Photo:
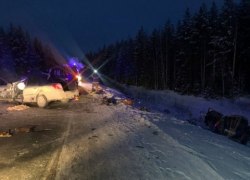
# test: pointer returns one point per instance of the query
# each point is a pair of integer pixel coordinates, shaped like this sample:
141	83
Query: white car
42	95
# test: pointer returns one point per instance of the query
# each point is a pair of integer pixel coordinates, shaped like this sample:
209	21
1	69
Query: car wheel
41	101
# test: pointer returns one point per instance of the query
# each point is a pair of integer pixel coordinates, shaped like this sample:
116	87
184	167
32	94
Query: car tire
41	101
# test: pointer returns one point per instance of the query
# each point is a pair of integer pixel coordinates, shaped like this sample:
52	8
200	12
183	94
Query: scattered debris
143	108
18	108
5	133
108	101
100	91
82	91
156	133
96	87
26	129
76	98
128	102
94	136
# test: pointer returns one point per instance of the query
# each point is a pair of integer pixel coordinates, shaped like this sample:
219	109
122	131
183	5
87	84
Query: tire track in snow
52	167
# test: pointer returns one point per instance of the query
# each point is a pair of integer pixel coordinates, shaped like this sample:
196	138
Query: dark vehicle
212	119
234	126
67	76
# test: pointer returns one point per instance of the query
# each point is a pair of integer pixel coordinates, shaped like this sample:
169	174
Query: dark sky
77	26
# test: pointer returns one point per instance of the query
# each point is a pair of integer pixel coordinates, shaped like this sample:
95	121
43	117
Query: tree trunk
223	82
214	69
166	64
235	49
204	67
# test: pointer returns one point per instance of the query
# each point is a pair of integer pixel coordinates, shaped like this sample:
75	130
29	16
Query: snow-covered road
95	141
118	142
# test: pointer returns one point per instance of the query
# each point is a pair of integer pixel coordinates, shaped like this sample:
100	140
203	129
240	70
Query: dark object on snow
234	126
211	119
143	108
100	91
109	101
193	121
155	133
166	111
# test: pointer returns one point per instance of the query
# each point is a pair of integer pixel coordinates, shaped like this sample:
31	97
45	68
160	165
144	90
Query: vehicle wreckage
234	126
42	95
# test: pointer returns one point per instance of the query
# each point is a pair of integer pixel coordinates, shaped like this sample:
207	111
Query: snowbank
186	107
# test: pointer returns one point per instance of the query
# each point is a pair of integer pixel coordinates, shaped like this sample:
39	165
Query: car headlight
21	86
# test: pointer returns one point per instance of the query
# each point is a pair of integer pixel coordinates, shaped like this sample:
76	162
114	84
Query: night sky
78	26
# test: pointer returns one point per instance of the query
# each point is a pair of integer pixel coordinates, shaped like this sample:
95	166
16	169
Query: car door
30	93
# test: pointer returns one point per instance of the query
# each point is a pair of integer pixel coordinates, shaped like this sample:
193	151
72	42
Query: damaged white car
42	95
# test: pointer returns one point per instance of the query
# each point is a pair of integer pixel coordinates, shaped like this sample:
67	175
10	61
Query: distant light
21	86
95	71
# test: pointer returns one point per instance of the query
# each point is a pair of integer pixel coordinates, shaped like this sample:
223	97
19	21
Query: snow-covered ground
186	107
90	140
212	153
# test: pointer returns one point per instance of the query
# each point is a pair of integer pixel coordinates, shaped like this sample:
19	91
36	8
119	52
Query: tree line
206	53
20	54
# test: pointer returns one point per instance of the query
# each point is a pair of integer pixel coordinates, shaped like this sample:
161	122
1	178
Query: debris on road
108	101
29	129
5	134
25	129
128	102
143	108
18	108
96	87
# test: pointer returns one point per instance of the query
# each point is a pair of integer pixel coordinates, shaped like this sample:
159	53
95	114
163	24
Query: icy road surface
88	140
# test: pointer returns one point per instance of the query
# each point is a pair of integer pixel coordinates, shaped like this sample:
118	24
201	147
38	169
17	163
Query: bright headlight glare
79	78
21	86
